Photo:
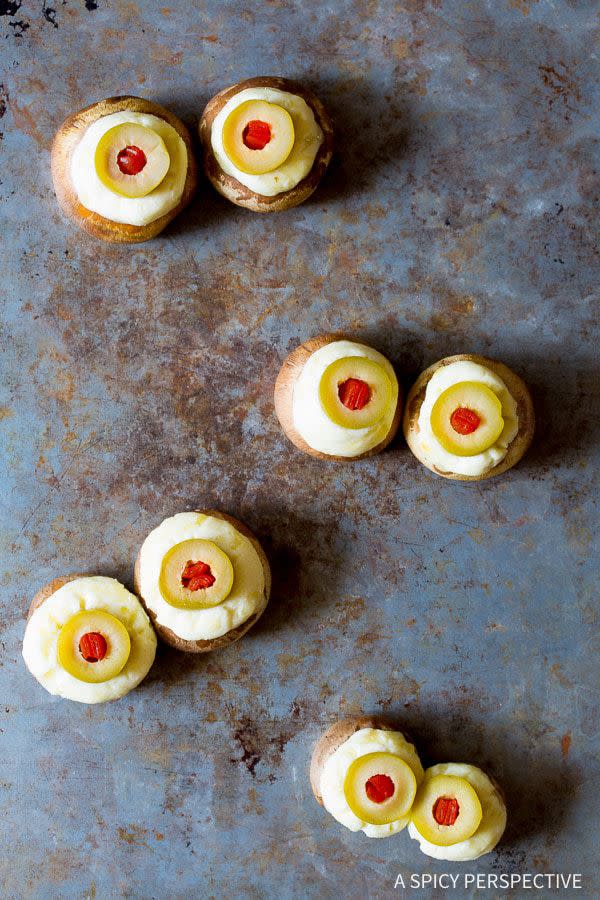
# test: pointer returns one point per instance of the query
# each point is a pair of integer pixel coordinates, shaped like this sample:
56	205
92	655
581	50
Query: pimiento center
197	576
379	788
93	646
131	160
446	810
465	421
256	135
354	393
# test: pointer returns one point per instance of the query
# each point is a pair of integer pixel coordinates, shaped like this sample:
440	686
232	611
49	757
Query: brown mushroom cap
284	398
67	138
205	646
519	392
233	189
334	737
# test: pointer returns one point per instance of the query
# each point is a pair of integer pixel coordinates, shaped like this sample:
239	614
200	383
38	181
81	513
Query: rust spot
133	835
561	85
254	807
265	739
523	6
565	744
400	48
27	122
368	639
3	100
60	864
166	55
248	738
557	672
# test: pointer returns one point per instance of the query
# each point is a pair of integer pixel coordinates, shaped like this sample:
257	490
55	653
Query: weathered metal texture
458	215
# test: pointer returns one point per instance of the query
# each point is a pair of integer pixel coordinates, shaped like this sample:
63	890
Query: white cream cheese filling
248	593
308	139
432	450
310	418
331	785
493	820
98	198
91	592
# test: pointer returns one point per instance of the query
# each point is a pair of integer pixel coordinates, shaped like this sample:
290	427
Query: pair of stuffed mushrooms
466	417
367	774
123	168
201	579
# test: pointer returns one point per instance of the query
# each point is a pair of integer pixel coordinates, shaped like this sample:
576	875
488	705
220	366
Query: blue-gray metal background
137	381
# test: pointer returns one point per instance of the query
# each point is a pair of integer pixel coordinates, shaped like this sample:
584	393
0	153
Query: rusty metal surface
458	215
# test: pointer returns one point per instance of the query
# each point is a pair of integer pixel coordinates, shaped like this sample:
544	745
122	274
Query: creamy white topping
493	820
367	740
310	418
247	595
432	450
98	198
92	592
308	139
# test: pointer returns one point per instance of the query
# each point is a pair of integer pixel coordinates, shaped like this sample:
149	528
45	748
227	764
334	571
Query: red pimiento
93	646
131	160
354	393
197	576
465	421
445	810
256	135
379	788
